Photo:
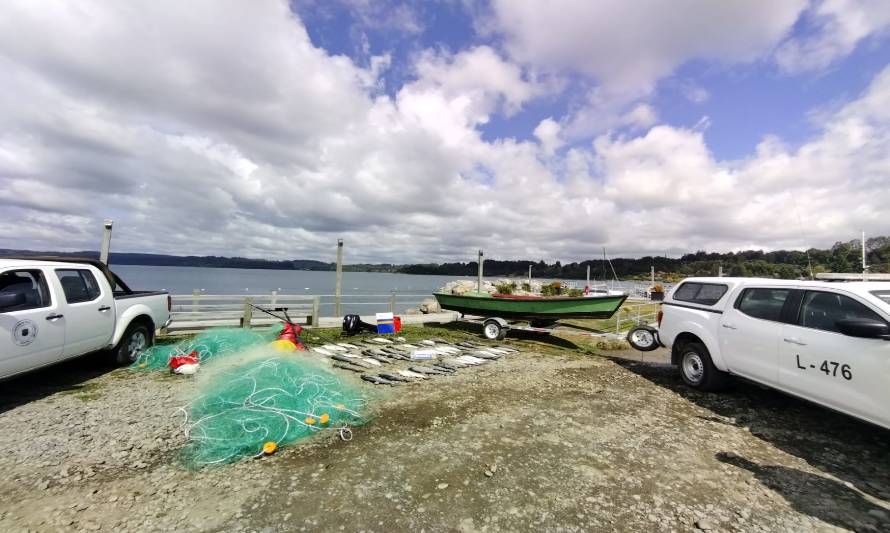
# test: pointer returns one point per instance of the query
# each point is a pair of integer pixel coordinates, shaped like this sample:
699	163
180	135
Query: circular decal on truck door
24	332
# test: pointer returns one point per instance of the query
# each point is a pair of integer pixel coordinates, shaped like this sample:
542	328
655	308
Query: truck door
750	331
32	333
817	362
89	310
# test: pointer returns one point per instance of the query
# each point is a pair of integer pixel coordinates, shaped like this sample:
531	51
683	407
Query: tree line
786	264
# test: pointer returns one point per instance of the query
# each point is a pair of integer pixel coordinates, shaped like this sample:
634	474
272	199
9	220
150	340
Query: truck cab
52	310
826	342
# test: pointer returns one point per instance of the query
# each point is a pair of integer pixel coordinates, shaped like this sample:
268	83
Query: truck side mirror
864	327
11	300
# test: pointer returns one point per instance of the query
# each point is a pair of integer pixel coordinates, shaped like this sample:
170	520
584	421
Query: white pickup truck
52	310
826	342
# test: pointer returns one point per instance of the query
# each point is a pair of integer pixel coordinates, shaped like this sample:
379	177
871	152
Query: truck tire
136	339
698	370
643	338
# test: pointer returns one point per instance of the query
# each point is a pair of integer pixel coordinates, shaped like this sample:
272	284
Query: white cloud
225	131
628	46
840	25
547	133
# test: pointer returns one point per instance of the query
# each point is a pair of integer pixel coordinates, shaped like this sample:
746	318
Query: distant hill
788	264
210	261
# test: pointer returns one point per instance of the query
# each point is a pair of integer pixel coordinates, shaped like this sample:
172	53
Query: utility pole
339	281
529	277
720	271
864	264
479	286
588	277
106	242
652	274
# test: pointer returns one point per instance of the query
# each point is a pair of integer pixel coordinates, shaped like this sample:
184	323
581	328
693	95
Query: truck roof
63	261
861	287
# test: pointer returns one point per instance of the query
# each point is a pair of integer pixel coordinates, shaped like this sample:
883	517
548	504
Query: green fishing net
247	401
249	394
210	344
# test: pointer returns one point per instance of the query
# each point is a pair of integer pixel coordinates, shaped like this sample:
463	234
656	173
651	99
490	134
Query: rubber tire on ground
642	331
492	330
121	353
698	370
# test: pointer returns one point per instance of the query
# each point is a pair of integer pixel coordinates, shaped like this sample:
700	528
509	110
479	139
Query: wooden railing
198	311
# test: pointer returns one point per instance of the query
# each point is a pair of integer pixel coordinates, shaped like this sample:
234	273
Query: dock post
106	242
392	301
720	271
195	294
316	310
247	317
339	280
588	277
274	299
529	278
479	285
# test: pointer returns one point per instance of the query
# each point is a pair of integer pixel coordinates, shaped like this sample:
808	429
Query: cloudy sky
421	131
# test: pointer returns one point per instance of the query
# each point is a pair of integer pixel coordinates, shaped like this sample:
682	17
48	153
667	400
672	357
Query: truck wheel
697	369
493	331
643	338
135	340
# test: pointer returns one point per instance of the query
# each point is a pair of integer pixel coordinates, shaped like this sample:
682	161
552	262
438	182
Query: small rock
442	486
493	468
704	524
488	473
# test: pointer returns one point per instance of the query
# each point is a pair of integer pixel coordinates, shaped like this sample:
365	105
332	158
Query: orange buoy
310	421
269	448
324	418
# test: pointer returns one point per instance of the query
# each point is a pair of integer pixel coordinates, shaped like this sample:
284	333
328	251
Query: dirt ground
558	438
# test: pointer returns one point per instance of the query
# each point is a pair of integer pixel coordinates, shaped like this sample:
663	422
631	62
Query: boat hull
530	308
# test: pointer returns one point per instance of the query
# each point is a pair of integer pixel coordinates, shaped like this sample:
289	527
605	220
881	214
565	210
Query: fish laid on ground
473	359
322	351
449	349
381	340
446	367
353	368
347	345
377	380
467	344
507	348
486	355
427	342
370	361
333	348
456	362
440	341
466	361
351	361
426	370
410	374
497	351
395	377
400	339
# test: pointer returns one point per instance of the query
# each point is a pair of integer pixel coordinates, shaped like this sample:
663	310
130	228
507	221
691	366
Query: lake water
357	287
361	290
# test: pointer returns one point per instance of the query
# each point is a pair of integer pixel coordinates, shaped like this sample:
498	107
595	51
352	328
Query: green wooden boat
531	307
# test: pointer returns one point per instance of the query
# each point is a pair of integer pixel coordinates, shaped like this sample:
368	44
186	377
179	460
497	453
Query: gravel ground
552	439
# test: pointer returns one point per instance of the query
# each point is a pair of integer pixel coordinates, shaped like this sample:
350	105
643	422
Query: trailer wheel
643	338
492	330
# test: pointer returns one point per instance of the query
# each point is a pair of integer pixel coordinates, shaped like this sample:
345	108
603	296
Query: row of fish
372	353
